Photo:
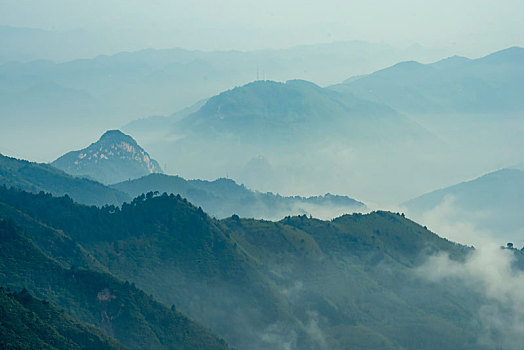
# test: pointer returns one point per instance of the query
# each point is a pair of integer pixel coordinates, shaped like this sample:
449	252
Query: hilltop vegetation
36	177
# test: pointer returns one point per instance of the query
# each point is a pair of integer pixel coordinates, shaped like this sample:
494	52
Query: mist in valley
262	175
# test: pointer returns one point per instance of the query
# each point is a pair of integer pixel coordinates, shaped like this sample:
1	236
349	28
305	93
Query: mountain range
101	250
267	134
64	95
296	283
457	106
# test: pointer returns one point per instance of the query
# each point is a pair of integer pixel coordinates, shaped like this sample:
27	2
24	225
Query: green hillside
303	282
36	177
117	308
30	323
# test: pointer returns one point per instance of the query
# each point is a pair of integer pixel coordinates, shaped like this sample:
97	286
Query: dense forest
259	284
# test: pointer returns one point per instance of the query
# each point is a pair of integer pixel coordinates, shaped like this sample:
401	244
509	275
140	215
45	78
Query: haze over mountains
117	156
284	137
223	198
492	203
253	234
443	125
412	144
491	84
107	91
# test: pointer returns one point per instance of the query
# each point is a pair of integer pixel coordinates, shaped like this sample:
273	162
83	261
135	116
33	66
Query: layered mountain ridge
224	197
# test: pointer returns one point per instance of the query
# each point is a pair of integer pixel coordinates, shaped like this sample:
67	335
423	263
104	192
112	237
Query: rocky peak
114	157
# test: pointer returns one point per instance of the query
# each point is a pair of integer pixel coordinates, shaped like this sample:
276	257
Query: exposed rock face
113	158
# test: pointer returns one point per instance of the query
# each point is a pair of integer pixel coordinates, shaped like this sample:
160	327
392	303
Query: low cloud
489	271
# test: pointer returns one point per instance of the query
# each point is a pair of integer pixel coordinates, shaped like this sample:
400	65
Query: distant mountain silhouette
224	197
113	158
492	202
305	135
489	84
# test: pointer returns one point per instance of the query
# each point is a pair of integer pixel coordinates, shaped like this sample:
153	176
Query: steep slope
172	249
298	283
224	197
492	202
29	323
119	309
113	158
36	177
455	85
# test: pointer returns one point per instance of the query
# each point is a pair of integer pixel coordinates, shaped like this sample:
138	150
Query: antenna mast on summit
258	73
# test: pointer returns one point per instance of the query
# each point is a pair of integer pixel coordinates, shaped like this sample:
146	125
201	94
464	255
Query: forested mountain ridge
298	281
36	177
119	309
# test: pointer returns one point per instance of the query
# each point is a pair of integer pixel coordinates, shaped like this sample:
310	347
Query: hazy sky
474	27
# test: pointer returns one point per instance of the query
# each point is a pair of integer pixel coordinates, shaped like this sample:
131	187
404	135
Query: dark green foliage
261	284
384	233
30	323
35	177
119	309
